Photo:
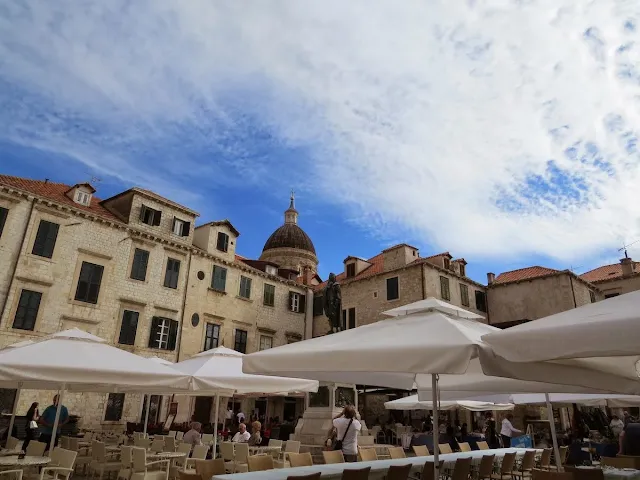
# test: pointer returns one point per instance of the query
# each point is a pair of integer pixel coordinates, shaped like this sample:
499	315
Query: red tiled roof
55	192
527	273
376	267
607	272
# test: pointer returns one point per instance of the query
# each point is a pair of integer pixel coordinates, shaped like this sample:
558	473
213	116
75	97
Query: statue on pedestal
333	303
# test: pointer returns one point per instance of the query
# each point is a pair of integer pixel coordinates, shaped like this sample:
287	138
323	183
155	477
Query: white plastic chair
126	459
140	466
61	466
207	438
100	463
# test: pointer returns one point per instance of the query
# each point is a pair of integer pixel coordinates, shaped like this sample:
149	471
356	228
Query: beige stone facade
396	277
133	270
536	292
615	279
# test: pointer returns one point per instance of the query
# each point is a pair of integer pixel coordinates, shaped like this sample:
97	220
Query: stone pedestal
321	408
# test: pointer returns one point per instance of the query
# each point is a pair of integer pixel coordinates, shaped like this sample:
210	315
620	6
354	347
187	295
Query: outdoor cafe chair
199	453
367	454
398	472
356	474
419	450
485	469
464	446
259	463
208	468
482	445
398	452
311	476
506	469
427	470
333	456
300	459
444	448
545	459
141	468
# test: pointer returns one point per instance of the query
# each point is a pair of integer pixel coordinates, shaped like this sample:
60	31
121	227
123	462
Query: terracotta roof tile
527	273
55	192
376	267
607	272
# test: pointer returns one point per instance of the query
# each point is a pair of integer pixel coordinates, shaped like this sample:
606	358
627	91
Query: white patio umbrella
74	360
610	328
413	403
588	399
161	361
410	349
219	372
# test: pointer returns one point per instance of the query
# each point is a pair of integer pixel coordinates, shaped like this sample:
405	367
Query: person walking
347	427
508	431
31	425
47	420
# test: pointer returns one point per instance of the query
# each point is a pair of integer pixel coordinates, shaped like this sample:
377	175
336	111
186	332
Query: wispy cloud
492	128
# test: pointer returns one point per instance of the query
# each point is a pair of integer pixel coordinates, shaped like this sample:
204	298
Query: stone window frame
34	287
106	407
265	337
166	266
272	295
4	216
445	281
128	308
205	337
95	258
41	213
464	295
386	283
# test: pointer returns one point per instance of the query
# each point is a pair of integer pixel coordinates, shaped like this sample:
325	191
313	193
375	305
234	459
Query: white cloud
438	118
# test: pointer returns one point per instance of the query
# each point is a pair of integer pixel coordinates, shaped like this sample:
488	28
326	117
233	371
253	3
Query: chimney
490	278
627	267
307	275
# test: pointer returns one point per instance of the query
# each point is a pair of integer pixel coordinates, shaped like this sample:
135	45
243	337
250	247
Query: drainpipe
184	304
424	282
573	292
15	266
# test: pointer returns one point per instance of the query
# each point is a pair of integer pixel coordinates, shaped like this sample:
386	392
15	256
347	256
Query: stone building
526	294
398	276
133	270
615	279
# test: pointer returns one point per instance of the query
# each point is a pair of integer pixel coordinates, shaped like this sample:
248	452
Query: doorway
289	410
202	409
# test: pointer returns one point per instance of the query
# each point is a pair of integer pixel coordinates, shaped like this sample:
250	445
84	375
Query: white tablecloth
378	467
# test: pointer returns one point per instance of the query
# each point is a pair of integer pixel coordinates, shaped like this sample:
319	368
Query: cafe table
611	473
378	467
13	461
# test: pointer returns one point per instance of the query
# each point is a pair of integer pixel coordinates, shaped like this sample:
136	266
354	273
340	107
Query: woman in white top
347	427
508	431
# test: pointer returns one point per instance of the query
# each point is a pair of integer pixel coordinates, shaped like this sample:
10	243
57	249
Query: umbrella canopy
413	403
396	352
602	329
432	305
593	400
161	361
219	370
79	361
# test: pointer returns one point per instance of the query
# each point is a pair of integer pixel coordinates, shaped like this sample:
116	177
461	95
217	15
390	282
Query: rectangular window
180	227
219	278
269	295
89	282
245	287
240	344
445	293
223	242
27	310
352	318
115	406
297	302
592	296
446	262
464	295
265	342
150	216
611	295
211	336
139	264
4	213
172	273
318	305
164	333
393	292
463	270
45	239
351	270
128	328
481	301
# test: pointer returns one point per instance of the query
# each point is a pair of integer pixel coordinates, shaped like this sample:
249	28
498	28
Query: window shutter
143	210
226	242
344	319
186	228
153	335
4	213
173	335
94	283
291	301
173	225
157	215
302	305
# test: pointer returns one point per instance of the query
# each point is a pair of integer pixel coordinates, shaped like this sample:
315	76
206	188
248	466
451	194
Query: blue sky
502	131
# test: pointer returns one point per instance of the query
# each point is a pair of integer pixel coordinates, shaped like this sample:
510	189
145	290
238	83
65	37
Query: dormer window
351	270
181	228
222	242
271	270
83	198
463	270
150	216
447	263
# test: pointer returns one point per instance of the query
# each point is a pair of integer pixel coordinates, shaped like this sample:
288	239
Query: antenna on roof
572	269
95	180
624	248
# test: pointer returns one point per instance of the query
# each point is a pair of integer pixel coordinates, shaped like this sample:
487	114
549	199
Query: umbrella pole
436	426
146	415
13	412
54	430
215	427
554	438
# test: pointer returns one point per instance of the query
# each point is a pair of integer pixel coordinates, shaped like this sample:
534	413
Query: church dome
289	235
